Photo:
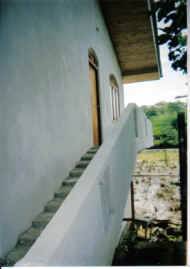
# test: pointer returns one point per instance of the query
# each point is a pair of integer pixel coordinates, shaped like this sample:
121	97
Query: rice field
156	187
155	237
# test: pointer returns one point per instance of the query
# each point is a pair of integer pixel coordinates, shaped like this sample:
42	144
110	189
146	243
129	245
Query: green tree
164	120
172	14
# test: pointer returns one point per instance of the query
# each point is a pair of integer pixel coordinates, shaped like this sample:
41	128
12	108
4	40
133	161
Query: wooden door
94	105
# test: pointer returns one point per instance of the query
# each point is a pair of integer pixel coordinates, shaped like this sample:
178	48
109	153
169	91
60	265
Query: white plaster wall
89	235
45	113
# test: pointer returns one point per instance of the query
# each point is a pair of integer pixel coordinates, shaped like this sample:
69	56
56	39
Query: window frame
115	98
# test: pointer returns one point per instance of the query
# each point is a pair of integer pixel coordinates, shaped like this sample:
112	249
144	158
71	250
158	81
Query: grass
169	155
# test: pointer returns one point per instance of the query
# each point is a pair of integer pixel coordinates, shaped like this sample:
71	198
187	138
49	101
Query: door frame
93	62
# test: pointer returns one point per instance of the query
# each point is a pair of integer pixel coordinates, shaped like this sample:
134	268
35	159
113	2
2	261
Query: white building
62	66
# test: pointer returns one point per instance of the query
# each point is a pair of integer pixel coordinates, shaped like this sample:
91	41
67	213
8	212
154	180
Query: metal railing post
183	171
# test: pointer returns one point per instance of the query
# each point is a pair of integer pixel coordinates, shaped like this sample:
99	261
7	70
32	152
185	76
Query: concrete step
93	150
29	237
42	220
53	205
76	172
87	157
82	164
63	191
95	147
16	254
70	181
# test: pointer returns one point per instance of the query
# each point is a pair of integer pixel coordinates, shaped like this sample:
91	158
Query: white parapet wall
85	230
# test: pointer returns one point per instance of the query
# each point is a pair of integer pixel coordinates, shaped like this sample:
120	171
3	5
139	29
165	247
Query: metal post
132	203
183	171
165	157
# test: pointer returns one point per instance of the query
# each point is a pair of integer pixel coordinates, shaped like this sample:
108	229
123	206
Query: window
114	98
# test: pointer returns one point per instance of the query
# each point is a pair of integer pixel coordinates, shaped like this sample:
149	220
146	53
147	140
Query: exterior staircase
26	239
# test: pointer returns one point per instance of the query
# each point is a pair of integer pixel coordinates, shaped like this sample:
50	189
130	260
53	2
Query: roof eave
134	40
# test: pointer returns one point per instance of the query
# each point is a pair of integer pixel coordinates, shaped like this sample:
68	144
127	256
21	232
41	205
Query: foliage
164	120
172	14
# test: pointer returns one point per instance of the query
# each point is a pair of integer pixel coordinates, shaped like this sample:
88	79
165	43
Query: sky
172	84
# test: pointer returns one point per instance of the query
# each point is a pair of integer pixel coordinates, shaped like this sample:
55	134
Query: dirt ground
155	237
157	193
